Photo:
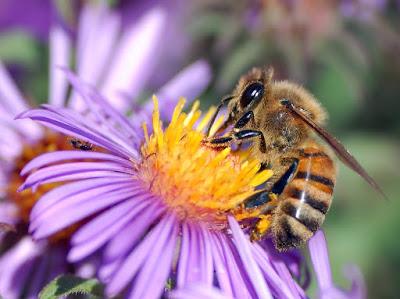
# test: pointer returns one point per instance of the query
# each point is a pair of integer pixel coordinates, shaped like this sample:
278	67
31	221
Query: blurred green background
345	52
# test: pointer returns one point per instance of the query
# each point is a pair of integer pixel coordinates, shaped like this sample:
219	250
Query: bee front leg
244	120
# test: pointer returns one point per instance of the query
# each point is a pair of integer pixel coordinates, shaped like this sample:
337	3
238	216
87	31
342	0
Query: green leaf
65	285
210	24
18	47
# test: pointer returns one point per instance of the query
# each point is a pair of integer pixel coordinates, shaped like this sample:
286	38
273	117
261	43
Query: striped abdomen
305	200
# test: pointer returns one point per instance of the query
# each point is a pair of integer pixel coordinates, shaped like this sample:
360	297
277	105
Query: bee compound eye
252	94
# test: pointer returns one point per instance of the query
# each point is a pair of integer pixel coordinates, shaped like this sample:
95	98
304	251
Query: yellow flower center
195	181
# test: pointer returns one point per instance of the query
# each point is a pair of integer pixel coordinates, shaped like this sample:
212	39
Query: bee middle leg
266	201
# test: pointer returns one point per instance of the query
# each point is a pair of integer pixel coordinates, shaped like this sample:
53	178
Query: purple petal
358	288
357	291
184	255
88	19
221	271
73	171
103	110
125	240
193	270
100	230
280	281
38	280
11	146
195	263
59	201
73	128
240	287
11	99
295	262
157	268
15	265
76	209
12	103
55	157
152	243
105	126
198	291
135	58
63	192
107	269
206	256
244	249
189	83
60	46
320	259
97	35
107	219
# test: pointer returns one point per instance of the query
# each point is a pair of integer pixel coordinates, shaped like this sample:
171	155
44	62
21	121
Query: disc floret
197	182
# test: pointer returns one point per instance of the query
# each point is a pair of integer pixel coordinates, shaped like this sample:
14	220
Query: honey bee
81	145
282	121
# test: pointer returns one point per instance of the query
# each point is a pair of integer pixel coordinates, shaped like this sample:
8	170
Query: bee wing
342	153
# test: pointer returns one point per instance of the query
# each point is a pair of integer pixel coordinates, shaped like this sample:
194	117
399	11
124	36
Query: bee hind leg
261	228
266	202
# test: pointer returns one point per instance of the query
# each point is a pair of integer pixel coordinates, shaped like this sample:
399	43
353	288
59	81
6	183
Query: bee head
250	91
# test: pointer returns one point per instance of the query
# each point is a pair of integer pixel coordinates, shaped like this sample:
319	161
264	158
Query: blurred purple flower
33	16
119	62
172	56
362	9
152	241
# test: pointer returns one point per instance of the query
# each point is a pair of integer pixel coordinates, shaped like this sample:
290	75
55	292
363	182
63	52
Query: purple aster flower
158	210
107	56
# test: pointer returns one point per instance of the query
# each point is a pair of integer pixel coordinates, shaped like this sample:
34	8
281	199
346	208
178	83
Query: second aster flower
110	57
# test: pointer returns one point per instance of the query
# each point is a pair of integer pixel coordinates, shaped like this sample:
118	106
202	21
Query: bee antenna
227	99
